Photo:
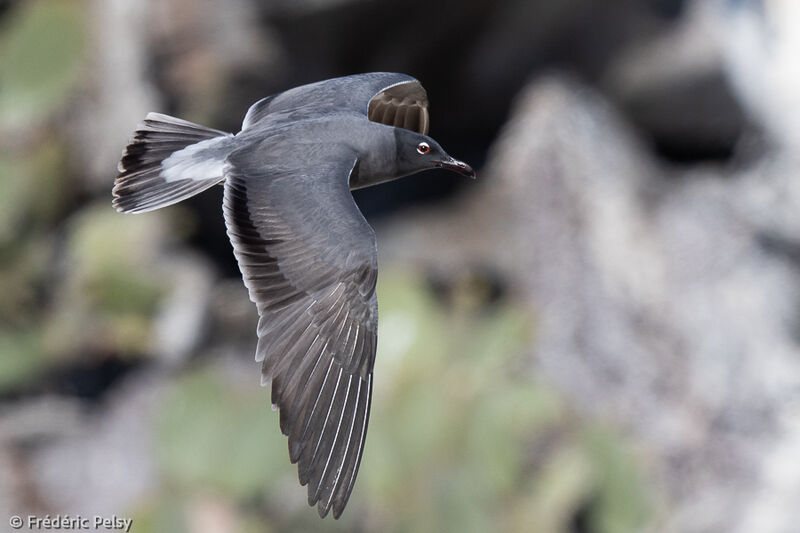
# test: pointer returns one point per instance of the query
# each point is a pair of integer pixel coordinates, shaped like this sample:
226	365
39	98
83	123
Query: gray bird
306	253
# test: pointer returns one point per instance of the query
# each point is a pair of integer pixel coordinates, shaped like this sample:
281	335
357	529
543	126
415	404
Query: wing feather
386	97
403	105
309	261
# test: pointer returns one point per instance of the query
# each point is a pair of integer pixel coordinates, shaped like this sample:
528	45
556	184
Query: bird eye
423	148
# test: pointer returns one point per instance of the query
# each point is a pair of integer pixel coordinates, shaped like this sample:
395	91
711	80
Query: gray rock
675	87
82	462
760	45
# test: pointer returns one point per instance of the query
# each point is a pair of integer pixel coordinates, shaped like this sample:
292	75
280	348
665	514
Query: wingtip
322	510
337	512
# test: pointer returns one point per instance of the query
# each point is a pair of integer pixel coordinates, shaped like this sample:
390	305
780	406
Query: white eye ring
423	148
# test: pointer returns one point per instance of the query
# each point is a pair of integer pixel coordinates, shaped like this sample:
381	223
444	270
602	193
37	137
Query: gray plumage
307	255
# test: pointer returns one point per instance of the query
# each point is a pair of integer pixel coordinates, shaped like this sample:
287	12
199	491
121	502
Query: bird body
316	139
308	257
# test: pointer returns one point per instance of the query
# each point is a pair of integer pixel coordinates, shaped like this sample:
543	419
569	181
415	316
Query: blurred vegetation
99	296
111	284
462	437
42	48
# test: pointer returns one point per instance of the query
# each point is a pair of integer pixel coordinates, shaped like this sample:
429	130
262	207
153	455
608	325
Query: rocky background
599	335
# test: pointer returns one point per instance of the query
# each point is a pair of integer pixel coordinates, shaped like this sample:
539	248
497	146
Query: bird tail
168	160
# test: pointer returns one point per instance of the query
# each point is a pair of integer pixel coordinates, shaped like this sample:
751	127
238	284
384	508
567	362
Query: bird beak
457	166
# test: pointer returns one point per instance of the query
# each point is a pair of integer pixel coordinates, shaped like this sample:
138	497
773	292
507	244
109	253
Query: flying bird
307	255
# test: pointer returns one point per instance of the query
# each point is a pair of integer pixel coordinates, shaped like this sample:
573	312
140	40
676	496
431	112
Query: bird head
417	152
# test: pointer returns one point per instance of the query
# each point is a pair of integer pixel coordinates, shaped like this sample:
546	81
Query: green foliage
42	49
621	506
32	195
112	287
20	358
162	516
112	256
221	439
105	299
41	52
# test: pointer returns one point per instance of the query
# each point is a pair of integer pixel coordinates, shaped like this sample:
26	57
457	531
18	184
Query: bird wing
385	97
309	261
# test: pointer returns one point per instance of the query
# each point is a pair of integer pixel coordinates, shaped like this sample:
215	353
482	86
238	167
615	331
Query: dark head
417	152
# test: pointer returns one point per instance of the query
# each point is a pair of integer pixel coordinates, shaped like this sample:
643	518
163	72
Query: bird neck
377	160
364	176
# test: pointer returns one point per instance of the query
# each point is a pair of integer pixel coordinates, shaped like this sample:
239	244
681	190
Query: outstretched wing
309	261
385	97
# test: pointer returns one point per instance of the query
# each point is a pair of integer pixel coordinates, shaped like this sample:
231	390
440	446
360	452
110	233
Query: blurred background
599	335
